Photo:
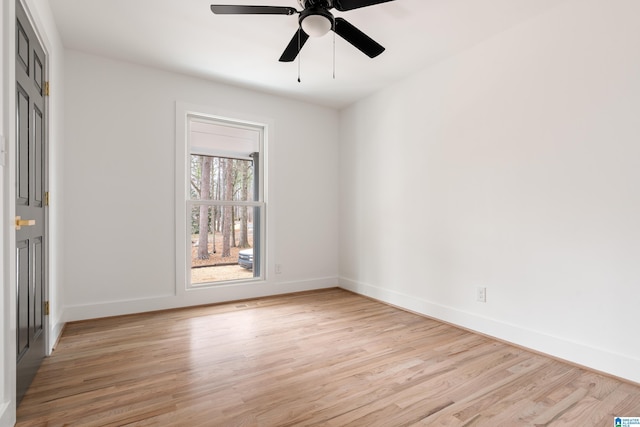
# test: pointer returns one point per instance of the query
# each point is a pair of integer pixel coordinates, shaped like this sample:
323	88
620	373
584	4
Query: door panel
22	134
38	151
22	261
37	290
38	72
22	49
31	175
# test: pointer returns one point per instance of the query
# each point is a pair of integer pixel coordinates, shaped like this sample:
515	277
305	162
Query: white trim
602	360
225	154
181	242
211	295
194	202
8	358
6	414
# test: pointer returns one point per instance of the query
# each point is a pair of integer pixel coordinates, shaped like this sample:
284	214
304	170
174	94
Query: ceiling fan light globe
316	25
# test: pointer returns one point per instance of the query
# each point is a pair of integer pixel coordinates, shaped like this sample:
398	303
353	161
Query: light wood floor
326	358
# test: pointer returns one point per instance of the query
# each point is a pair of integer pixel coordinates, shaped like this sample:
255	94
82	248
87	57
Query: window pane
222	239
221	179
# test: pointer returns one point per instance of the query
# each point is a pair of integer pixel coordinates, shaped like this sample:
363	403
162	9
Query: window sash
192	202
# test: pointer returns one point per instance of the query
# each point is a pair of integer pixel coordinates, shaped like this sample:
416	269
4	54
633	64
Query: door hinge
46	308
46	198
46	88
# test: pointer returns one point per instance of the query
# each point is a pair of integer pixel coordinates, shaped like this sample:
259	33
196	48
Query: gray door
30	204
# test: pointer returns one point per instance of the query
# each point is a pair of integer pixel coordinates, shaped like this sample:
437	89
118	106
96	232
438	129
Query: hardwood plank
325	358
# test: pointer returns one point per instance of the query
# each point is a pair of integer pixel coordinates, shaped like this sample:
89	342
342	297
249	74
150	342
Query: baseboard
56	333
7	415
216	294
600	360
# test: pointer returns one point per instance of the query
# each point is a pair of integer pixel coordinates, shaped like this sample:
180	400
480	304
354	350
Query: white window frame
184	204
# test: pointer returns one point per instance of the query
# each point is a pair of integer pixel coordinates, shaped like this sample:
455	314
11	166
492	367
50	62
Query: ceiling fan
315	20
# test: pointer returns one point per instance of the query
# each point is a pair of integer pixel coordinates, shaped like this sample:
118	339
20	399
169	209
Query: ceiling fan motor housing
316	21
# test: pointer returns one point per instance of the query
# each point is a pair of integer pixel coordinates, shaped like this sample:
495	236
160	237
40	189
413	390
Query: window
223	201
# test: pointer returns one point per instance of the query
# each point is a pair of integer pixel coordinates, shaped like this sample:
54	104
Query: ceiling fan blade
295	45
357	38
344	5
226	9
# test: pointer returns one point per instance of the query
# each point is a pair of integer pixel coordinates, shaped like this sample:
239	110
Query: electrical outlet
278	268
481	294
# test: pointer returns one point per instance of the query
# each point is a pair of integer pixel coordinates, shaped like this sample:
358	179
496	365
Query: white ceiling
243	50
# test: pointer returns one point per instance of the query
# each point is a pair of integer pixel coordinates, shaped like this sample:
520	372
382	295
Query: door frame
7	193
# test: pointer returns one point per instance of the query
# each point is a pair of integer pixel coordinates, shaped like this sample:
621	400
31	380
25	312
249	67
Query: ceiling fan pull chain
334	55
299	51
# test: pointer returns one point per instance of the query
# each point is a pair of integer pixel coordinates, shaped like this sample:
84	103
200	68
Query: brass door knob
24	222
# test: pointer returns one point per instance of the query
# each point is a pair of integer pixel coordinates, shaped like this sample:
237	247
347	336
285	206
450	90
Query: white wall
119	253
514	165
